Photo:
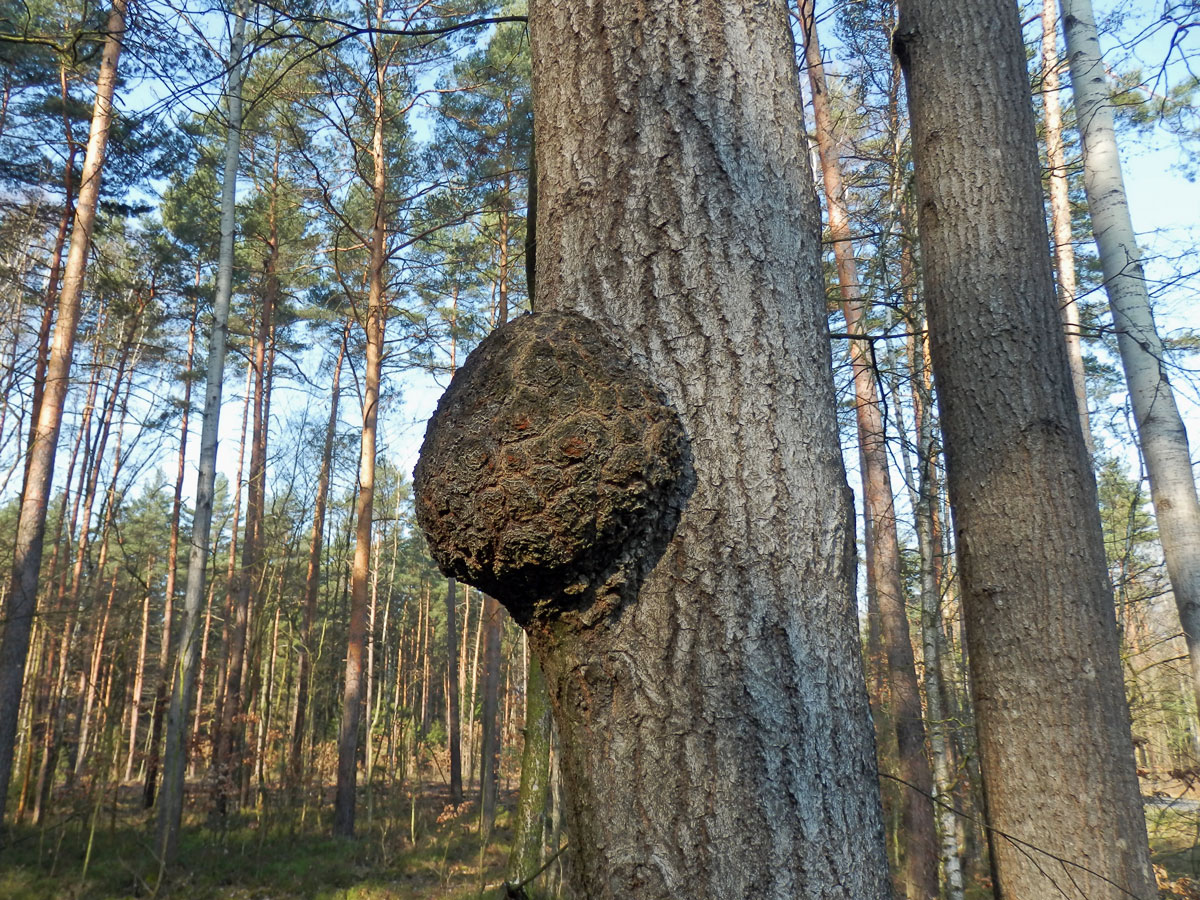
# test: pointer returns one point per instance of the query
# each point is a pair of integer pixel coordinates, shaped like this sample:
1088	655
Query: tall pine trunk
31	523
373	326
1060	215
312	579
1061	796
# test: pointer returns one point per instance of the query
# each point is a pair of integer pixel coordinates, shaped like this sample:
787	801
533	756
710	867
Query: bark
165	646
56	257
919	839
170	809
1061	794
1160	428
472	742
312	579
714	723
373	326
31	523
1060	215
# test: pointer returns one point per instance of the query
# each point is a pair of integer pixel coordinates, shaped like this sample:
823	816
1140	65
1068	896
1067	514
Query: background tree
1013	438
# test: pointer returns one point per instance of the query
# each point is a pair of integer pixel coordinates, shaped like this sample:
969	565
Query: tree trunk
165	648
248	578
526	855
1061	795
715	731
170	810
492	624
31	523
312	579
931	624
1060	216
452	691
373	326
135	699
919	839
1160	427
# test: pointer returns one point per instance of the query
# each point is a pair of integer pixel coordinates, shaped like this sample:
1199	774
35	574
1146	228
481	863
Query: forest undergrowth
416	846
413	847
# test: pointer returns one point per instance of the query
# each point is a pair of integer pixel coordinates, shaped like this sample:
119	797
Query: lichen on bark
551	468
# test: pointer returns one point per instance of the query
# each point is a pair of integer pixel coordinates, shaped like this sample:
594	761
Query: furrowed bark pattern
1051	714
716	737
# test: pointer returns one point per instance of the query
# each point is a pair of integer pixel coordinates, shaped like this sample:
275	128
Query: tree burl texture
551	459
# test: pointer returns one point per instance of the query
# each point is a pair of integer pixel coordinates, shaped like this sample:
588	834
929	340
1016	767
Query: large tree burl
550	459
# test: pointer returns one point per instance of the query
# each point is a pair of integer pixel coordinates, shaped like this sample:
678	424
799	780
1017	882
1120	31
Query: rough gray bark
1053	726
170	805
43	442
715	730
1160	428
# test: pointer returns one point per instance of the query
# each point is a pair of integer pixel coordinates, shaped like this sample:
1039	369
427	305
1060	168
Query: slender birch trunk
170	810
1160	427
248	578
931	621
31	524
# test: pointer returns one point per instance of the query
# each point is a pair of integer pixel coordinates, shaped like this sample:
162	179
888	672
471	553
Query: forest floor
405	850
408	848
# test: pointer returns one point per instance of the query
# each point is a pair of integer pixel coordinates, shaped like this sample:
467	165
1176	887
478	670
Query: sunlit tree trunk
312	579
248	578
373	326
1160	428
1061	796
1060	215
31	523
135	698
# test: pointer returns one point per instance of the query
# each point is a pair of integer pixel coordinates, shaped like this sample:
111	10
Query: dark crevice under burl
553	472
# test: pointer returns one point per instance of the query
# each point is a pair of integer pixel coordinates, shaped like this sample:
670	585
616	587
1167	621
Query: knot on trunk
551	459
